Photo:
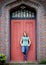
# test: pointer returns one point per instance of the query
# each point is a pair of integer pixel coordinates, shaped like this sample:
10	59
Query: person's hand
21	44
28	44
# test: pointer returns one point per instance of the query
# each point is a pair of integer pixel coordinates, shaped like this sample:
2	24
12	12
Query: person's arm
29	42
21	42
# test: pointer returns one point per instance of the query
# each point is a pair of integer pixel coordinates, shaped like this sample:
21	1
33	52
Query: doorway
23	19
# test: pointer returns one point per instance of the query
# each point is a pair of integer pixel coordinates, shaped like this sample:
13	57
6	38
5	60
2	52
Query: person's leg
26	51
23	49
25	54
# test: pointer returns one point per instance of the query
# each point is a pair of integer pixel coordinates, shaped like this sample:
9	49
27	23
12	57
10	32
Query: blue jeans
25	51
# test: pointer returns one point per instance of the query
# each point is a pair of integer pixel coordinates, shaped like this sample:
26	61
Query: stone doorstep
22	64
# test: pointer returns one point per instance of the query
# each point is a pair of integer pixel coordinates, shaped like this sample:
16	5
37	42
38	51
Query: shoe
25	61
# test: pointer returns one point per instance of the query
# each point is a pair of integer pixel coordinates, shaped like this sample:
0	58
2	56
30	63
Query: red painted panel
17	29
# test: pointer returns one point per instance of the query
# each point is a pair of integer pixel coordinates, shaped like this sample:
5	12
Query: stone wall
42	36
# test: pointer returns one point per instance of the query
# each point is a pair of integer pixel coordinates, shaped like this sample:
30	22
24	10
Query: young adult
25	43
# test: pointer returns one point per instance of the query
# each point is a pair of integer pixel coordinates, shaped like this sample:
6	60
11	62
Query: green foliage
42	61
2	58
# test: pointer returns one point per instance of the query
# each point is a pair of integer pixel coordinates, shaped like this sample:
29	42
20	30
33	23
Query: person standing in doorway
25	43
